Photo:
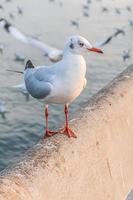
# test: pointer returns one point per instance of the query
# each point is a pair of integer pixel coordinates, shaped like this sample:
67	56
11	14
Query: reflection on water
51	21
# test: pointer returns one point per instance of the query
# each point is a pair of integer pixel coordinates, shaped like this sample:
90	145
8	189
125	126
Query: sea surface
50	20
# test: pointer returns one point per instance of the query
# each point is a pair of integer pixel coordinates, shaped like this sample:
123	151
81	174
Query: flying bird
126	54
1	7
85	14
75	22
118	11
86	7
104	42
119	31
89	1
11	15
105	9
129	8
52	53
3	110
62	82
19	10
109	38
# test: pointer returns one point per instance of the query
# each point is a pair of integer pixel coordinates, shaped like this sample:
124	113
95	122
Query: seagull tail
29	65
16	71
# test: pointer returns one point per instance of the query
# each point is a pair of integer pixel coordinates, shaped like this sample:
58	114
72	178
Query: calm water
24	125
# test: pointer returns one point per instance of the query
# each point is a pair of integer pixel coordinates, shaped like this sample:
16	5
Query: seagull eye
81	44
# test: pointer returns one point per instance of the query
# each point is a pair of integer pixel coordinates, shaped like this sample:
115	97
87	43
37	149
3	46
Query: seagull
3	110
88	1
52	53
109	38
119	31
19	10
129	8
75	22
85	14
105	9
86	7
118	11
11	15
126	54
1	7
62	82
104	42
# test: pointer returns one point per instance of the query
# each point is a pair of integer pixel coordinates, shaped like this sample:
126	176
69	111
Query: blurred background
52	21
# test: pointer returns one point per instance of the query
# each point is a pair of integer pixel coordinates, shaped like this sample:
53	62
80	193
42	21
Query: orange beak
95	50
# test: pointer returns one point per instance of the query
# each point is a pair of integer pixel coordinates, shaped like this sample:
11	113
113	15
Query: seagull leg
67	131
48	133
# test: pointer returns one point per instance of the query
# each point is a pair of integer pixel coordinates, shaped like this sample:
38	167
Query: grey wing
38	88
45	73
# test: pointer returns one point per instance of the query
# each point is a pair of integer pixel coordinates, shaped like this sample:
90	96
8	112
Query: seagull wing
53	53
18	34
104	42
39	82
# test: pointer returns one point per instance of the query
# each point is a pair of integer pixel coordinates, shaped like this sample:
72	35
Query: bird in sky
52	53
126	54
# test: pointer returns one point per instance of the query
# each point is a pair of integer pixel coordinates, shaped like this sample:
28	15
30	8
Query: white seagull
52	53
61	82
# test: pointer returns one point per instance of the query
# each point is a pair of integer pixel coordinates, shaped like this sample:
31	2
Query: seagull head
79	45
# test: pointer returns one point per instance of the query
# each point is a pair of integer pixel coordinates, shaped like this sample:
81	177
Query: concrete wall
98	165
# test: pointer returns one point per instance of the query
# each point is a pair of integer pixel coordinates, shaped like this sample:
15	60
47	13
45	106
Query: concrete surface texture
96	165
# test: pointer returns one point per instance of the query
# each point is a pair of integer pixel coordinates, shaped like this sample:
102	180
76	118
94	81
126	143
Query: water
24	125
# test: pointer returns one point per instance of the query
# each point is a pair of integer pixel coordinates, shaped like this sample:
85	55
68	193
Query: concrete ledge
96	165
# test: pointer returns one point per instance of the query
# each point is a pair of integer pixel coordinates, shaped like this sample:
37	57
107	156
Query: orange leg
67	131
48	133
